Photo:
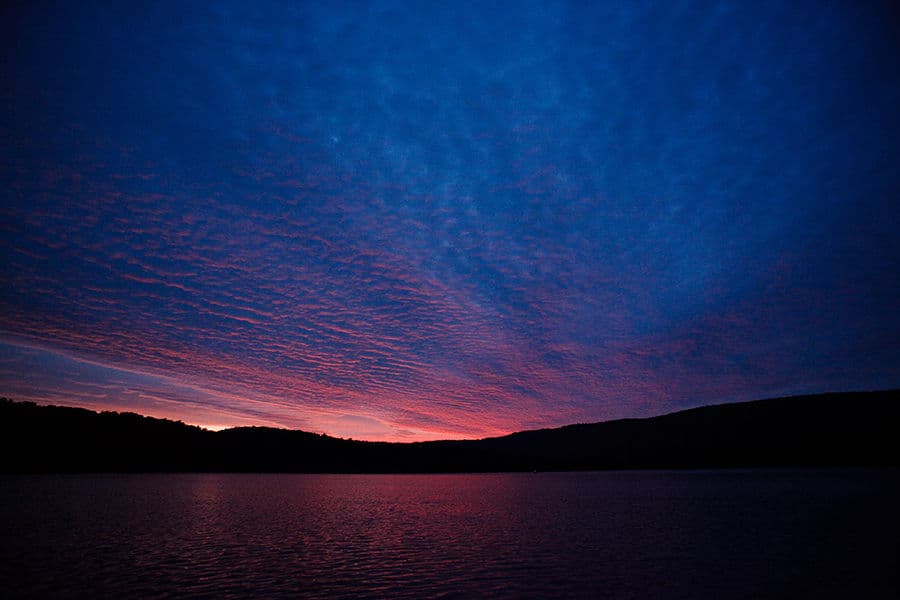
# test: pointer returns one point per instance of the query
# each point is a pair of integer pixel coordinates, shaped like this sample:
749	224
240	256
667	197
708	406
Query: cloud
452	222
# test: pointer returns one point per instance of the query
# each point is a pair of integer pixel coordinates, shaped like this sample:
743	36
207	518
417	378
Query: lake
660	534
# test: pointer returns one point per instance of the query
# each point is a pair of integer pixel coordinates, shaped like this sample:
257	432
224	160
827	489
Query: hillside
846	429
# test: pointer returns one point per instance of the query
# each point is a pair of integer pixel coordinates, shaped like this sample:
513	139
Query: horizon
216	429
423	223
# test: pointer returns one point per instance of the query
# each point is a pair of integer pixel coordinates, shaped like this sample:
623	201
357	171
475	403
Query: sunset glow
419	223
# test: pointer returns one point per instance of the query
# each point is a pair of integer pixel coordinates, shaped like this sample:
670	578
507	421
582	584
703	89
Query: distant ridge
842	429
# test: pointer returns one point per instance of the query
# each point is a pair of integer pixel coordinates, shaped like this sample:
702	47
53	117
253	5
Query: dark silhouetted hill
847	429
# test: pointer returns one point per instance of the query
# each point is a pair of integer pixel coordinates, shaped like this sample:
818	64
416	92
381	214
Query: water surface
688	534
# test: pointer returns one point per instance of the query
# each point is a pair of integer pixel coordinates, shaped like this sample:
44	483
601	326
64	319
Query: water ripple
735	534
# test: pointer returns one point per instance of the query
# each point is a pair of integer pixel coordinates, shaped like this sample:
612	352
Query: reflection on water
634	534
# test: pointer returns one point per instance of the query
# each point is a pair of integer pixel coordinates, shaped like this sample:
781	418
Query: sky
409	220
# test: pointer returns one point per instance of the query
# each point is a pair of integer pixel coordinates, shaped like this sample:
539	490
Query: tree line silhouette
843	429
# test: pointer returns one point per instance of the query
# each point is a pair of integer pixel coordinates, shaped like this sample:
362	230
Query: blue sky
416	221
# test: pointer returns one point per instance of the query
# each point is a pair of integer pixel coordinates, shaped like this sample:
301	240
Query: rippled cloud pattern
410	221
